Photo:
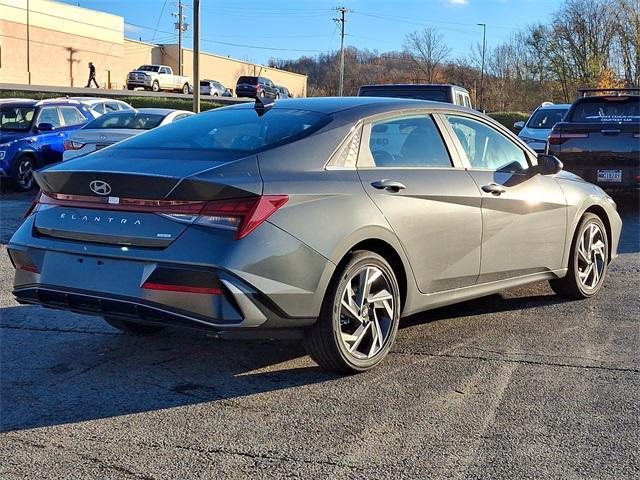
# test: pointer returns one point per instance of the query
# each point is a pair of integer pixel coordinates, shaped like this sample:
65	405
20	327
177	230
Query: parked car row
37	133
161	77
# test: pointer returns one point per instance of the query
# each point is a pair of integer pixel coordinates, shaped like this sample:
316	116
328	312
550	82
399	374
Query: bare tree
428	50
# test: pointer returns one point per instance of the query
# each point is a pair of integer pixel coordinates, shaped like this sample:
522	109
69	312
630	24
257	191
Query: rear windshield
248	80
135	121
234	130
435	95
546	118
15	118
613	109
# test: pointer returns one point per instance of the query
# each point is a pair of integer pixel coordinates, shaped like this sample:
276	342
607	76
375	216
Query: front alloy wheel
24	174
588	261
359	317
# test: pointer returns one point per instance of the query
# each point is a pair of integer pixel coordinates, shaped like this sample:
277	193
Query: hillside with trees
587	43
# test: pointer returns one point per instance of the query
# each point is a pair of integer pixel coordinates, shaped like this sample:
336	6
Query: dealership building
43	42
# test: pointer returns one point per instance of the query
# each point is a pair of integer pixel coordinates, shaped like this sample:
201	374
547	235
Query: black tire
129	87
215	94
277	96
155	87
570	286
22	173
323	340
131	327
261	94
185	88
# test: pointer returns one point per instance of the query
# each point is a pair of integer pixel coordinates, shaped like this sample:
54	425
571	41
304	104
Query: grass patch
136	102
509	118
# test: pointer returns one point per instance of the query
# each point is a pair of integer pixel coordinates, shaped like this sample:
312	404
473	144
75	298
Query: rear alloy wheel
23	174
131	327
359	318
588	261
185	88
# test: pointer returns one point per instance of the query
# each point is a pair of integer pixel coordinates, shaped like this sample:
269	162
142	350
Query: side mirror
518	125
548	164
45	127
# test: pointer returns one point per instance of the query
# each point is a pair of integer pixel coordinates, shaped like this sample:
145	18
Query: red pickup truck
599	138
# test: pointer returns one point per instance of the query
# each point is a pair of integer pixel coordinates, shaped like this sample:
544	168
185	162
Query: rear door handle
388	185
494	189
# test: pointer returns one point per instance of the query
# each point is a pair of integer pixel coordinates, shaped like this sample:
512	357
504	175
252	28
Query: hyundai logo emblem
100	188
102	137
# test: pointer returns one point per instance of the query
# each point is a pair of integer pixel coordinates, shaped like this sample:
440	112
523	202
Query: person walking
92	76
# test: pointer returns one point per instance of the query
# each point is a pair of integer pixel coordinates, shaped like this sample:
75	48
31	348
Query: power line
164	4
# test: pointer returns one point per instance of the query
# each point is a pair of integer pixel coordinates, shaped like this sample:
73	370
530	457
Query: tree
427	50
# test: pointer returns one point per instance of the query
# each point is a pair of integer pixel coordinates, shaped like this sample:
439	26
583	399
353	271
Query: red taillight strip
181	288
29	268
126	204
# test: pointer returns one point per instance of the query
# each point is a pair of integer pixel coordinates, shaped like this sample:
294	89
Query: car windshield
546	118
16	118
234	130
148	68
248	80
613	109
133	120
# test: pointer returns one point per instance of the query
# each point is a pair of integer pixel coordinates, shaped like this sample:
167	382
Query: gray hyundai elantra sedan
331	218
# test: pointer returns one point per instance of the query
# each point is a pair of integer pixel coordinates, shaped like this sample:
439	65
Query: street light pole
196	56
484	48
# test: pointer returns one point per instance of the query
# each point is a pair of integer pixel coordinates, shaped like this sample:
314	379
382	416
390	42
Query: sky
293	28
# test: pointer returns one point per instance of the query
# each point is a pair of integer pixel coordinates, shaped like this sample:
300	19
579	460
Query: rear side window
435	95
408	142
546	118
136	121
72	116
612	109
233	129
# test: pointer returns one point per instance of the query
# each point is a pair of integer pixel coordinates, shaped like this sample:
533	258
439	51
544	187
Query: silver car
115	127
327	218
535	131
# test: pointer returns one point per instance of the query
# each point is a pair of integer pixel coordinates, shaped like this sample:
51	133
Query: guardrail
100	92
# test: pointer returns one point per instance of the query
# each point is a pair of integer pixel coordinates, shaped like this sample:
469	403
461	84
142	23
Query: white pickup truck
156	78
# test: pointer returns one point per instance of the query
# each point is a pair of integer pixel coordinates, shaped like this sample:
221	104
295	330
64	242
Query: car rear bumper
204	279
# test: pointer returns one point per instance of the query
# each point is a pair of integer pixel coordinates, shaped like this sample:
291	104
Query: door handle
388	185
494	189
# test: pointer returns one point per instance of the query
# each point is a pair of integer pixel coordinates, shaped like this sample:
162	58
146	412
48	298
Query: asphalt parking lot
516	385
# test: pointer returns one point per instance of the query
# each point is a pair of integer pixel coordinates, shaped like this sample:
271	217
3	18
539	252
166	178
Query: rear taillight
243	215
71	145
559	137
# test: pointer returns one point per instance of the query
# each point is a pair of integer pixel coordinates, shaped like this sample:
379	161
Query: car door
429	200
165	79
523	213
51	143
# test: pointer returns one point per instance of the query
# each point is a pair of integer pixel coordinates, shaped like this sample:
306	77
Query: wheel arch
601	213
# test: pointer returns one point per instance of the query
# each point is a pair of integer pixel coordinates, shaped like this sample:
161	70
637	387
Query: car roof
333	105
19	101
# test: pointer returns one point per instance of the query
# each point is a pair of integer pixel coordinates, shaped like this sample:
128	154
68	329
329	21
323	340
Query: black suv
421	91
253	87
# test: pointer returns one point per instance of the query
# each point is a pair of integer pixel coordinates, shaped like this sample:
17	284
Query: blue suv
32	135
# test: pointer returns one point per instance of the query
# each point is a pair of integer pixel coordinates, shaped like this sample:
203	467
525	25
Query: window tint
234	129
111	107
72	116
603	109
248	80
49	115
487	148
99	108
408	142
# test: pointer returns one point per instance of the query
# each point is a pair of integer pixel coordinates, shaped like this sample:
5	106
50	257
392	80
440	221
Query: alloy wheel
366	313
25	174
592	256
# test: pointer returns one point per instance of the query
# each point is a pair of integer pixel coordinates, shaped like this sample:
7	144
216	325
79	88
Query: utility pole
181	26
196	56
484	48
28	45
341	22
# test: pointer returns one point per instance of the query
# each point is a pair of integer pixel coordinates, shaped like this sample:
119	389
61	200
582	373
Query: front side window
487	148
49	115
72	116
408	142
